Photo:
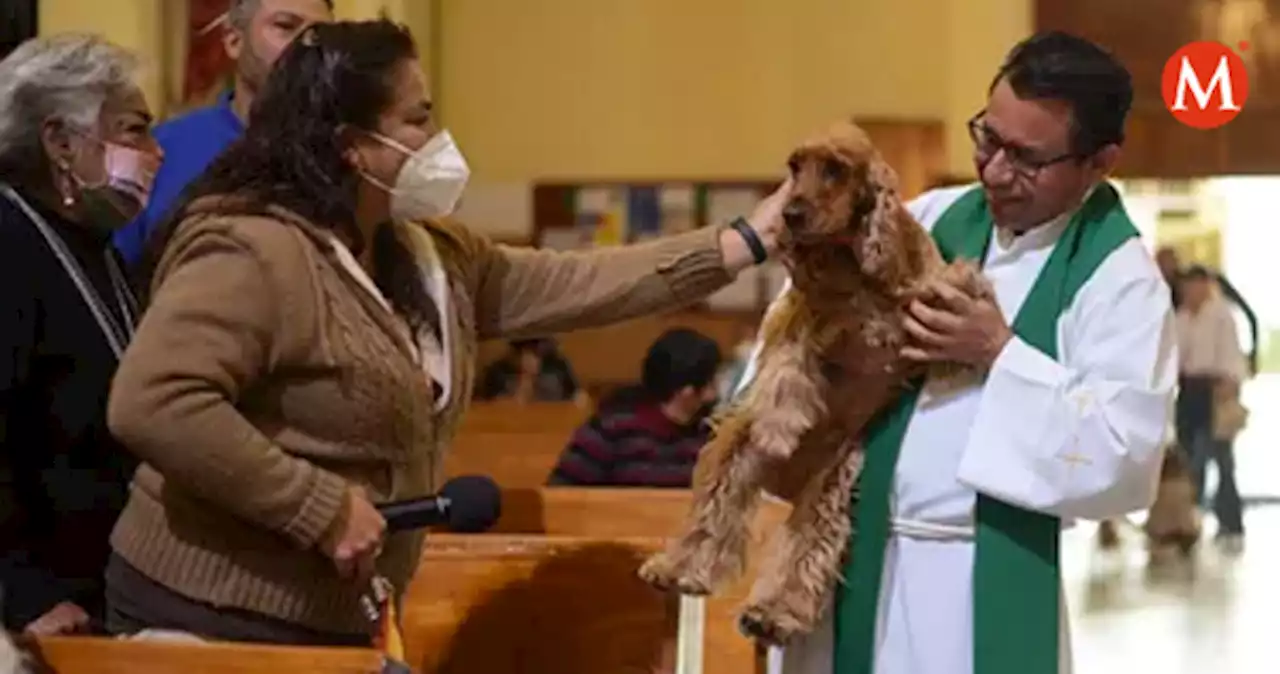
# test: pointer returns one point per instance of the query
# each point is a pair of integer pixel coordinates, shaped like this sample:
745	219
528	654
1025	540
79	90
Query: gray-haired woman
76	161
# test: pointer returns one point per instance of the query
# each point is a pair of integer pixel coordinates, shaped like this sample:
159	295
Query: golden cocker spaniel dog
830	360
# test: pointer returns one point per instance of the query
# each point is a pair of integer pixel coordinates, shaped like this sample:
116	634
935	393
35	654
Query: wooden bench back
516	445
657	513
536	604
514	417
582	511
92	655
511	459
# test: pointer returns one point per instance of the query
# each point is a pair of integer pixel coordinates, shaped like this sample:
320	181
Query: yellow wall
658	88
135	24
979	33
663	88
367	9
713	88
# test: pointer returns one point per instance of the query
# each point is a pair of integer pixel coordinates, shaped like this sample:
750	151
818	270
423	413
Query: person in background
650	436
308	347
1171	269
76	162
257	31
533	370
1211	368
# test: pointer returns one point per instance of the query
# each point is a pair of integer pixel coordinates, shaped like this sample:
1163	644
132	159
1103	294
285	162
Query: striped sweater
630	445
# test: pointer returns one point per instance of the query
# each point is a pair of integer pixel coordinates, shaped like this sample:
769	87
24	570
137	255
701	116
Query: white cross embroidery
1074	458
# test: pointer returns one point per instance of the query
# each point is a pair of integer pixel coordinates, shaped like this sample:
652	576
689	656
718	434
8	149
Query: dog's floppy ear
882	246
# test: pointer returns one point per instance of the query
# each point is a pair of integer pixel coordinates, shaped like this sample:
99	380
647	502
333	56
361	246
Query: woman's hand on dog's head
766	219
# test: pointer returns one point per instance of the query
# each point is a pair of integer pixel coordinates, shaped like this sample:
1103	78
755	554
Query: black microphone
467	504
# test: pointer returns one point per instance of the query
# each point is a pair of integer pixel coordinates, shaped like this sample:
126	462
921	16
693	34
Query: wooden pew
526	604
650	514
90	655
521	462
661	513
578	511
511	459
516	445
510	416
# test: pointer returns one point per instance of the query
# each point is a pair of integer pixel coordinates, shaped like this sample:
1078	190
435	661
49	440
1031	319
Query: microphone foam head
475	503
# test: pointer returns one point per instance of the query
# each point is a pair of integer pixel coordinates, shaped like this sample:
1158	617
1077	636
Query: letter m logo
1205	85
1189	81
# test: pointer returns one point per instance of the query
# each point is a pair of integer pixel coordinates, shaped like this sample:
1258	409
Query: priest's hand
949	325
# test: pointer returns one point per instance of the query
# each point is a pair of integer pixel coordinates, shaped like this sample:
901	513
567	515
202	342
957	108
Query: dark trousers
135	603
1194	419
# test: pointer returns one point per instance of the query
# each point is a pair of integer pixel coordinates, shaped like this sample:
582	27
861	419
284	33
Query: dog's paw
658	572
770	625
662	572
694	587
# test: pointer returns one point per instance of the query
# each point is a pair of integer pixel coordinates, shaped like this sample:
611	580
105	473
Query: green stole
1016	566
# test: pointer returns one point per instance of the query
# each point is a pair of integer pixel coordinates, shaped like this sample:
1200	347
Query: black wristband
748	233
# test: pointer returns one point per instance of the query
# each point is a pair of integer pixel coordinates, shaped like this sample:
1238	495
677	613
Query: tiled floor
1212	614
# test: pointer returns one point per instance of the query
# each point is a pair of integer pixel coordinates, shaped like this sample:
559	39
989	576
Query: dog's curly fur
830	360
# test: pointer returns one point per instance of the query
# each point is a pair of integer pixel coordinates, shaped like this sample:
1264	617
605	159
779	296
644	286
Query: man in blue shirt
257	31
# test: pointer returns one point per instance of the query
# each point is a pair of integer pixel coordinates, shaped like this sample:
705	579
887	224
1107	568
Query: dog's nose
794	215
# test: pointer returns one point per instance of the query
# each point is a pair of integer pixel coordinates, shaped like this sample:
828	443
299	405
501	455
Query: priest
955	565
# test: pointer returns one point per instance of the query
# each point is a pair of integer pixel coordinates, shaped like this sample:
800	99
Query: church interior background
699	123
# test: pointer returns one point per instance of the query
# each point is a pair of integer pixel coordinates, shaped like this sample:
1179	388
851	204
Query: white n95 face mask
431	180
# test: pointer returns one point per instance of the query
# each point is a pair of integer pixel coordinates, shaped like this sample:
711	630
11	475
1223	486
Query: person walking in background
257	31
76	162
1211	370
1171	269
649	436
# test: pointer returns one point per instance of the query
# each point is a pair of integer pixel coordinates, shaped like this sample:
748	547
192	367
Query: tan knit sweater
263	380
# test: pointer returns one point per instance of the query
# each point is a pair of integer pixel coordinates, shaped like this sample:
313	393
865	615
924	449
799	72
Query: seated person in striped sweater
649	436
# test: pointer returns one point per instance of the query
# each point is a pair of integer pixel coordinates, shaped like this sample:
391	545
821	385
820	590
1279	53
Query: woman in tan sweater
310	340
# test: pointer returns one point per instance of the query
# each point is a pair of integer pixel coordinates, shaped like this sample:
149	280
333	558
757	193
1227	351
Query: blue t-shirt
190	143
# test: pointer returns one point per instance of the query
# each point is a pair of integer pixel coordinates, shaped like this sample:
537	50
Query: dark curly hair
334	75
1065	67
680	357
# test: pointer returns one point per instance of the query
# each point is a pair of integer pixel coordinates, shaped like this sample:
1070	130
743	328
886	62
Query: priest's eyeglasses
1022	161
